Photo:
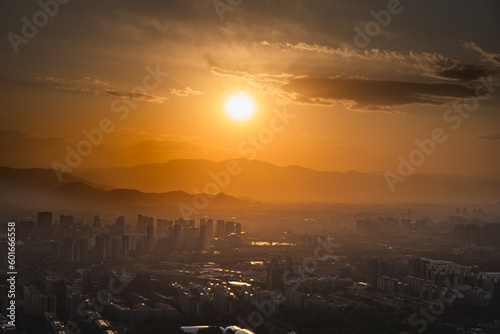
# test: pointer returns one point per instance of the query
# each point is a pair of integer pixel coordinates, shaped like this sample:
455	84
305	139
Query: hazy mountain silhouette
266	182
39	176
33	189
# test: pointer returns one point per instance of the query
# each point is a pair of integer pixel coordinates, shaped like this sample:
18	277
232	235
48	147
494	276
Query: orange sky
349	115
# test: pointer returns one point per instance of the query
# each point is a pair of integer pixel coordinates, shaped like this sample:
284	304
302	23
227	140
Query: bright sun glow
240	107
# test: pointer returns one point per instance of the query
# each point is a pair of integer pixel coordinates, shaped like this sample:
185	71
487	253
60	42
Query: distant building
97	222
203	237
143	222
219	233
125	247
120	222
209	223
44	220
229	228
150	241
66	222
276	269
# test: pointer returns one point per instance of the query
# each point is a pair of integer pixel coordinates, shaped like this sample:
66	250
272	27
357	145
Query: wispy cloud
430	63
493	58
490	136
95	81
116	93
96	86
186	92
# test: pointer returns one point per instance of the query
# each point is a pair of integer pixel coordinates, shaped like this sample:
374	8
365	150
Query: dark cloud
372	94
354	93
462	71
491	136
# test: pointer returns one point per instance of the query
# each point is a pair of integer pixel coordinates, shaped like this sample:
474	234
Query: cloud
463	71
354	93
490	136
493	58
431	63
186	92
116	93
372	95
100	87
95	81
50	79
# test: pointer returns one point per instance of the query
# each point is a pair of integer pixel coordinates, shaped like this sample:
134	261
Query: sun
240	107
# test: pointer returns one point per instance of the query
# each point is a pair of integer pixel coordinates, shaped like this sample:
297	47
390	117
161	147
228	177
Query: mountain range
40	189
263	181
234	184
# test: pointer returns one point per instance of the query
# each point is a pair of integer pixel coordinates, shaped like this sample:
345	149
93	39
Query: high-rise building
66	221
86	234
87	283
125	247
97	222
31	300
120	222
203	237
238	229
210	227
143	222
406	226
72	250
150	241
57	287
224	302
276	269
229	228
51	303
104	247
45	220
220	228
163	225
177	237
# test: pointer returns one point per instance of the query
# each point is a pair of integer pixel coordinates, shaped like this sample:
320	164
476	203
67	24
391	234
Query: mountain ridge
267	182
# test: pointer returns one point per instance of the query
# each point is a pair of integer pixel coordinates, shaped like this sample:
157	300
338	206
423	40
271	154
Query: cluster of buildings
464	230
74	242
427	279
476	232
389	225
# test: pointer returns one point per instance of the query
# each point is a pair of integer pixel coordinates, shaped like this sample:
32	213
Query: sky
352	84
